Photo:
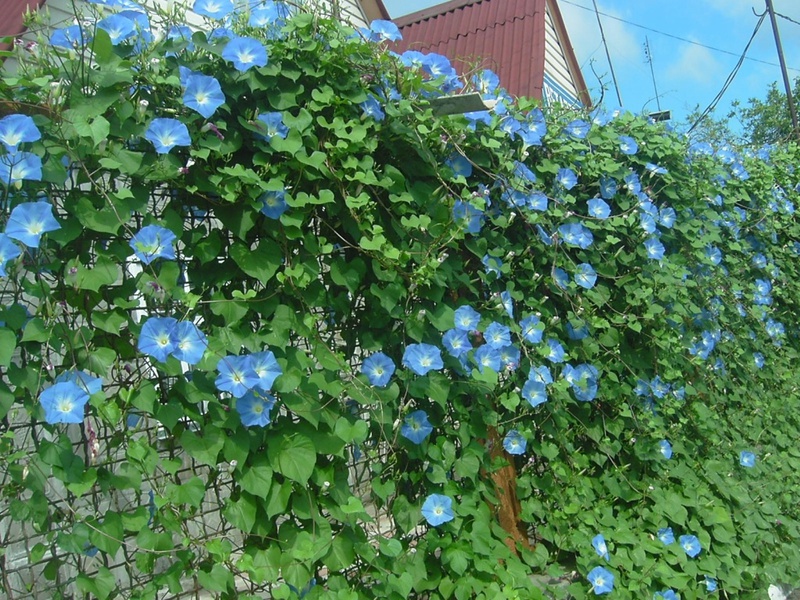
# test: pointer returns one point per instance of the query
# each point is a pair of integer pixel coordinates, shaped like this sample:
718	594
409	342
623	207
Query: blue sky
686	74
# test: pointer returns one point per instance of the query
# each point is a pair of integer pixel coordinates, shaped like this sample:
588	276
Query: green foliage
370	255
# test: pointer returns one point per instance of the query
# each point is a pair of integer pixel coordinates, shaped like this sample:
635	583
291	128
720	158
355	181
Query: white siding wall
555	63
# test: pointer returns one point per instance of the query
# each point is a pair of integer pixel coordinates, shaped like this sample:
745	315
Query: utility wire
608	54
731	77
777	14
675	37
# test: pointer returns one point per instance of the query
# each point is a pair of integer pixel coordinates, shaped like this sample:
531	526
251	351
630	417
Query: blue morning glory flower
659	387
599	208
273	204
602	580
533	129
119	28
747	459
20	166
655	169
537	201
633	183
416	426
577	333
486	82
438	509
763	287
711	584
29	220
467	318
468	217
535	392
492	264
436	65
497	335
758	358
578	129
566	178
556	353
583	381
667	595
532	329
216	9
714	255
236	375
266	367
509	356
381	31
460	164
456	342
508	303
575	234
774	329
665	448
599	545
87	383
203	94
181	33
515	443
666	536
546	238
488	357
608	187
157	338
273	121
654	248
189	343
561	277
372	108
17	129
541	374
73	37
8	251
254	408
627	145
379	369
244	53
585	276
152	242
667	217
165	134
522	171
269	14
64	402
690	544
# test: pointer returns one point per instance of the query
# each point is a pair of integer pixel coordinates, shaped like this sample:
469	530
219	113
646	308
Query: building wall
555	64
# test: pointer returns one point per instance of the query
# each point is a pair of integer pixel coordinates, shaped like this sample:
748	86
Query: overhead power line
608	54
731	77
777	14
676	37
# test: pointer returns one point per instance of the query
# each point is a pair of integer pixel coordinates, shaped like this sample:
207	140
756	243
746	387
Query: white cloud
694	64
624	44
585	34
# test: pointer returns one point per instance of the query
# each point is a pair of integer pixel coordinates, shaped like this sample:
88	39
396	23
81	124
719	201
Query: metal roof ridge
433	11
484	28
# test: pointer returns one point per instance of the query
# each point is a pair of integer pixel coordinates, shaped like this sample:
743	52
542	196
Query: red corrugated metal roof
11	17
507	36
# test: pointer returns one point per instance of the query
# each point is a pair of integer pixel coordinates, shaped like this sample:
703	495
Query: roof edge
375	9
433	11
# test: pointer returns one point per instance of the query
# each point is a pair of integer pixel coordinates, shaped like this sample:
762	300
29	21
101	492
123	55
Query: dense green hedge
547	339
